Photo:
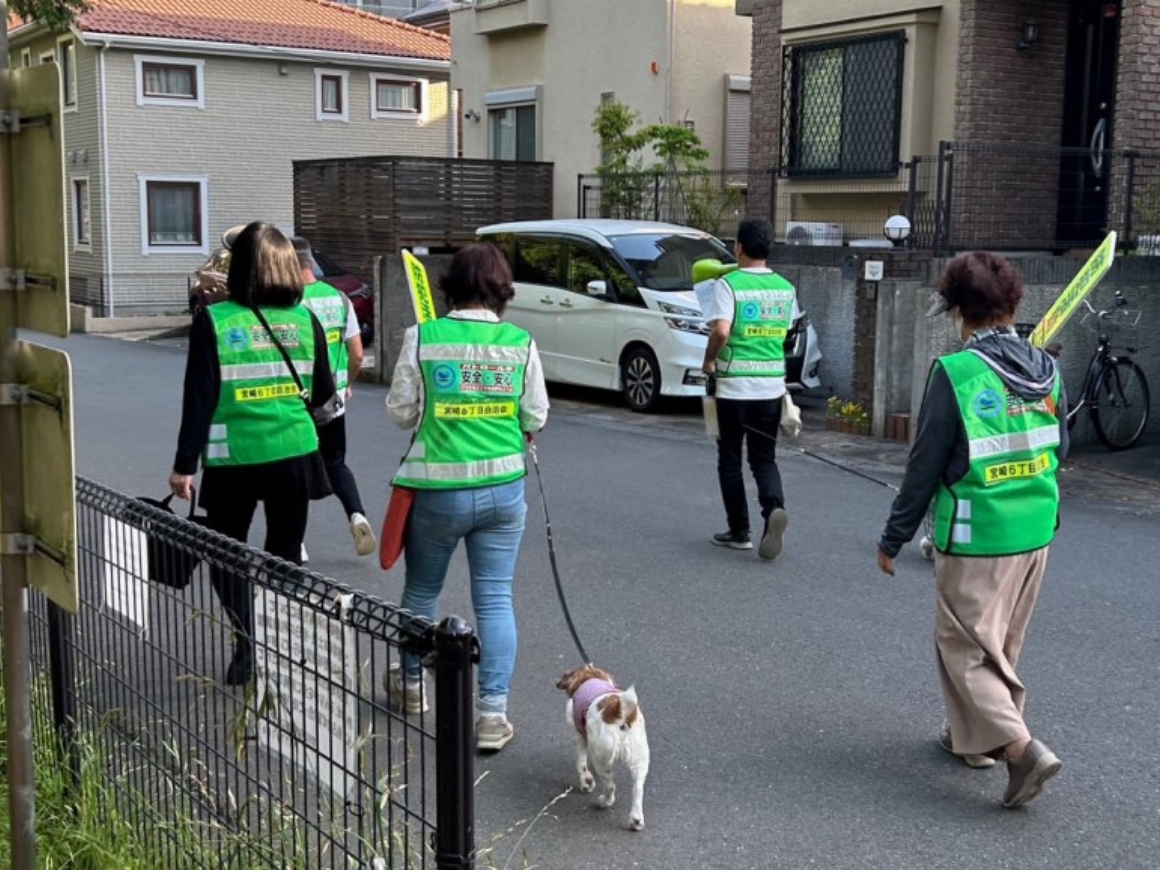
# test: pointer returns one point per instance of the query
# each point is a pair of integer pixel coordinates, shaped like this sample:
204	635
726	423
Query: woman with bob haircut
474	387
245	419
991	433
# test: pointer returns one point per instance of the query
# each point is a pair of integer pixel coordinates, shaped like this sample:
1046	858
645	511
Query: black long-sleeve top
203	383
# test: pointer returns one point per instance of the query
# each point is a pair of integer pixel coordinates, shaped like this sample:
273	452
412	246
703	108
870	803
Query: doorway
1088	113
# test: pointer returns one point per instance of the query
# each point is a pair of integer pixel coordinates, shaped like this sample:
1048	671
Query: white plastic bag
791	417
709	403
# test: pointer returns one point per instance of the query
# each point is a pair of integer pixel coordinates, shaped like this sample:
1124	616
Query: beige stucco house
182	118
531	73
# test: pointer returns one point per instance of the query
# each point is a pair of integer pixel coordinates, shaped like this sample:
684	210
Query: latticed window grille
842	106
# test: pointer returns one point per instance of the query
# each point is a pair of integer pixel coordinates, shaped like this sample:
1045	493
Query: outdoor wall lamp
471	115
1028	35
897	230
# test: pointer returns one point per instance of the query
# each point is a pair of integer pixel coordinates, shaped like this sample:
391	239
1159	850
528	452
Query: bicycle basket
1121	326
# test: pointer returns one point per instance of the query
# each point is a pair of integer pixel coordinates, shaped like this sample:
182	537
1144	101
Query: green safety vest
762	316
330	307
473	379
260	416
1008	501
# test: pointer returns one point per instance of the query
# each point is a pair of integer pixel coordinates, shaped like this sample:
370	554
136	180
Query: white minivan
610	303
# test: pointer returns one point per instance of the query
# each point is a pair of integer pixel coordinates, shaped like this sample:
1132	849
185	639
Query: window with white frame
47	57
331	103
26	57
512	126
173	214
170	81
82	226
66	56
393	97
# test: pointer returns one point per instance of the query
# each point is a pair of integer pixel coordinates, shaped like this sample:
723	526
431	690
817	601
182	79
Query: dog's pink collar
588	692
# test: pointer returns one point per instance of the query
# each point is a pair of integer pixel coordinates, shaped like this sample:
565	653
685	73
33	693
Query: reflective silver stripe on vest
479	470
1033	439
258	371
963	511
960	533
781	294
218	432
217	451
775	368
474	352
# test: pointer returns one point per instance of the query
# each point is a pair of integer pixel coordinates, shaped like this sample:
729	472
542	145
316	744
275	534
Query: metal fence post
62	669
912	192
948	219
940	200
580	209
773	198
656	197
1130	184
455	653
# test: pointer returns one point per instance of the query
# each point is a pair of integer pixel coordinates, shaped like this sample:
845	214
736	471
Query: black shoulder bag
324	413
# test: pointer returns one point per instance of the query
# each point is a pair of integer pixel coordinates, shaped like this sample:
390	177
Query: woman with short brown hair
991	432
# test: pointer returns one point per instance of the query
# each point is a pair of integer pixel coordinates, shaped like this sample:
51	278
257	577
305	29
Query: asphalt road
792	707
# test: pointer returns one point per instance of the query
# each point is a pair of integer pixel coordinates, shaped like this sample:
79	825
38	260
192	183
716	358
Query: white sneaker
364	536
926	545
411	699
493	732
304	555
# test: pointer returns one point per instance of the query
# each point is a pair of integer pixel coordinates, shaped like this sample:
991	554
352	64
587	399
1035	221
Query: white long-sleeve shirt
405	399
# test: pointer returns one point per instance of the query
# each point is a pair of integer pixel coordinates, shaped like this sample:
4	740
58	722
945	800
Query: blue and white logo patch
445	377
988	404
236	339
751	311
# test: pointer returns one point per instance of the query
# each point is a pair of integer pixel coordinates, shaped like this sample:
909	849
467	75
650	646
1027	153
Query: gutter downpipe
106	208
672	60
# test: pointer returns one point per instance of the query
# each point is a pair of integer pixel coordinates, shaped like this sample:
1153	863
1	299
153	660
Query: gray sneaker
771	541
493	732
978	762
411	699
1025	777
363	534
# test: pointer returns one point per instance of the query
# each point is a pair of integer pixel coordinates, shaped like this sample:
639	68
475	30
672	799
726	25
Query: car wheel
640	376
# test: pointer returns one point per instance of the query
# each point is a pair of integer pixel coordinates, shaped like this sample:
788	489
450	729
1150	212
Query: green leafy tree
53	13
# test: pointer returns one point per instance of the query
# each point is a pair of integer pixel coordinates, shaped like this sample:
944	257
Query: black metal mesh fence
306	766
710	200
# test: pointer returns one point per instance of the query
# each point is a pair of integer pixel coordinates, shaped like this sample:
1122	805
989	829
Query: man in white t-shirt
751	311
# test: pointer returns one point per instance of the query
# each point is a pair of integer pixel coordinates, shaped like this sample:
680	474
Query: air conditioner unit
813	233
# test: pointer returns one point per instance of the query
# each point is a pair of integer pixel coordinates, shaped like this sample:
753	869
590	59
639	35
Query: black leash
552	557
820	458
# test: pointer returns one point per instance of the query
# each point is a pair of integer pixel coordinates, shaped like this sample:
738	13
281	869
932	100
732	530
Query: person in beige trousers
990	435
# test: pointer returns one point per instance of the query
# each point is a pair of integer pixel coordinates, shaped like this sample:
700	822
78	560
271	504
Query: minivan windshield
664	261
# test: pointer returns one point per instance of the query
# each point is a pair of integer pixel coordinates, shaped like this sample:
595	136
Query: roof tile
316	25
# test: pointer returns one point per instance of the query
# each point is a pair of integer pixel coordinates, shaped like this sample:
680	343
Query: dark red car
209	286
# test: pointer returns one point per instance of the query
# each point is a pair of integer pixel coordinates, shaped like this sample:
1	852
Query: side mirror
598	288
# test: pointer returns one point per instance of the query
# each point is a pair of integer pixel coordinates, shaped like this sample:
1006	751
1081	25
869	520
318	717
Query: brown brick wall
1137	122
765	106
1009	96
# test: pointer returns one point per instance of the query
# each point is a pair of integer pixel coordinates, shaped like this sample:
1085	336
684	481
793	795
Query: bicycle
1114	390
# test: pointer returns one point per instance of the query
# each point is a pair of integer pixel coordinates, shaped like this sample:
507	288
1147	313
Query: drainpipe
672	61
106	208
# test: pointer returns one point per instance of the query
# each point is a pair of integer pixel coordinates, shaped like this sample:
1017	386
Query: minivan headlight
684	319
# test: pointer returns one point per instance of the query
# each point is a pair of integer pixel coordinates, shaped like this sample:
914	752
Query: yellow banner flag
420	288
1081	285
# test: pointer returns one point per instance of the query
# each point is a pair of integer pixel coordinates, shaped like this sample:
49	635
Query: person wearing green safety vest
344	343
244	418
750	314
474	387
991	433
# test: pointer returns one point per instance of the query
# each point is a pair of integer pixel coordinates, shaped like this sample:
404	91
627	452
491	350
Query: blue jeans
490	520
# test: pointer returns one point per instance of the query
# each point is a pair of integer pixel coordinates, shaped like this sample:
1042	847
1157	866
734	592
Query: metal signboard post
37	506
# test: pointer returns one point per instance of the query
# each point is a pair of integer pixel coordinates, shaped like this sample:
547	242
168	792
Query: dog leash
552	556
820	458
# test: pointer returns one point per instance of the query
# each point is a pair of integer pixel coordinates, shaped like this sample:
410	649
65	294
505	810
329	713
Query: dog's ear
568	682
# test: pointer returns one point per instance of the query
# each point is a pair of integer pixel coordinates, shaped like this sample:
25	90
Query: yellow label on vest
1005	471
262	394
763	332
466	411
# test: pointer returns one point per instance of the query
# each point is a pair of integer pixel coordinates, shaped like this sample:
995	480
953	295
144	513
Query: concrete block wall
393	309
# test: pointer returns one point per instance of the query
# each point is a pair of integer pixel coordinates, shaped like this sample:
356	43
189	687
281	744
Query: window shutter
736	123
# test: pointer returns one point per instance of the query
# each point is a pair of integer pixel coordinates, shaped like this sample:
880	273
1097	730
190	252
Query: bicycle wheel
1121	404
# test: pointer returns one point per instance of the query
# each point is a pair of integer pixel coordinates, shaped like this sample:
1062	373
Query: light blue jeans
490	521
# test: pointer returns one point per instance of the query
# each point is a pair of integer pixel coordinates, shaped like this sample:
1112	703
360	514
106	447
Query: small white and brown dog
608	726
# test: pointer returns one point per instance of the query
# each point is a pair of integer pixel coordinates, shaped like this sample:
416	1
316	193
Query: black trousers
752	424
286	501
332	446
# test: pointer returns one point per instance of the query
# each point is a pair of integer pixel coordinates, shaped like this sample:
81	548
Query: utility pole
13	577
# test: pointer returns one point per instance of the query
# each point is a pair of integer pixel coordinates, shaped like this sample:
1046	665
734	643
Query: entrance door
1089	103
